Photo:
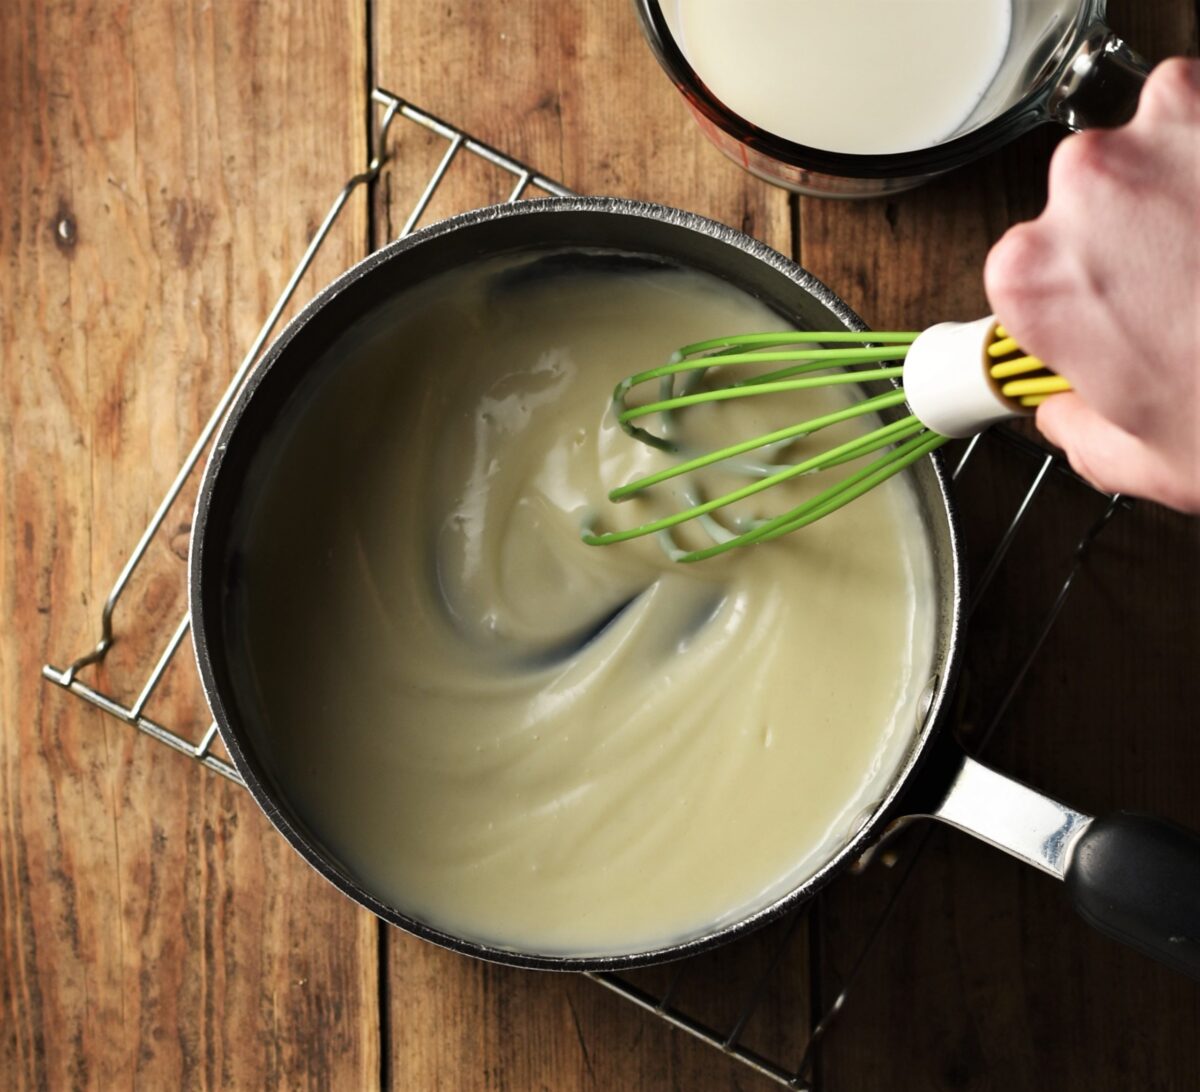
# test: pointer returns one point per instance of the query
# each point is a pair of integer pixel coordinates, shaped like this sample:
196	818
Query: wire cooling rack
660	991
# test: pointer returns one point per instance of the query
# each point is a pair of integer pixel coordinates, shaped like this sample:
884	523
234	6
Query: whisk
958	378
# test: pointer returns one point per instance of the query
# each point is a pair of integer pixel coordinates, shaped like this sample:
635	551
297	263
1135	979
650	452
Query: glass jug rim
1020	117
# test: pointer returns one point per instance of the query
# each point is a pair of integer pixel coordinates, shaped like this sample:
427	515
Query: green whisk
958	378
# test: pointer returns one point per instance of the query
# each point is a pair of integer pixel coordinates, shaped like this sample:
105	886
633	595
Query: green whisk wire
722	394
822	505
803	360
907	437
792	337
794	432
852	449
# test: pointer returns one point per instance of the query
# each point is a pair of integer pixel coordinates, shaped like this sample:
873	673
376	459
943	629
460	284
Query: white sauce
416	591
859	76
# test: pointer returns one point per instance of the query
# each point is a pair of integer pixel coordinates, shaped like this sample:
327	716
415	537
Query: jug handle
1100	84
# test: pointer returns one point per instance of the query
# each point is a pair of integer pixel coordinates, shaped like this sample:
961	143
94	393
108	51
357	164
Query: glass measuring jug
1061	64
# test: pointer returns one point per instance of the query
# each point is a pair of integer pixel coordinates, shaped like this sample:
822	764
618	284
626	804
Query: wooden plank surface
155	931
572	90
156	191
984	978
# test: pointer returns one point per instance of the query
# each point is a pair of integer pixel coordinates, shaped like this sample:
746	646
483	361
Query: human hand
1104	286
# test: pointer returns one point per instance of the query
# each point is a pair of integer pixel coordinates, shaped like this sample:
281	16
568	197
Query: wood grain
155	931
584	101
155	196
983	978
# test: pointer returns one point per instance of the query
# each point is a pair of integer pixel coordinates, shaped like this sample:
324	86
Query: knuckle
1017	278
1020	250
1172	88
1078	160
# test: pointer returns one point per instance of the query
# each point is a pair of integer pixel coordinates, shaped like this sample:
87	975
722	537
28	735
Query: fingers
1044	270
1102	287
1099	451
1109	457
1021	281
1044	292
1054	286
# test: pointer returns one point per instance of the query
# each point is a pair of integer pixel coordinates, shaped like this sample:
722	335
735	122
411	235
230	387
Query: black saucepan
1133	877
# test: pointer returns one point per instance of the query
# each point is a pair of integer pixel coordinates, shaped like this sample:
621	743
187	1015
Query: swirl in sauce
533	743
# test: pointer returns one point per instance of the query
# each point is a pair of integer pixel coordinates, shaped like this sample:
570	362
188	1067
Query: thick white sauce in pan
420	621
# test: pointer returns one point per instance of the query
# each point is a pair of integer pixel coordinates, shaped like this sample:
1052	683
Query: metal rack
662	1000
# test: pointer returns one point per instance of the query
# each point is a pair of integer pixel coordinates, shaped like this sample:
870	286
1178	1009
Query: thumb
1105	454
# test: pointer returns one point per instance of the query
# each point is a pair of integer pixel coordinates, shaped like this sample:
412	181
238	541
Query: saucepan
1133	877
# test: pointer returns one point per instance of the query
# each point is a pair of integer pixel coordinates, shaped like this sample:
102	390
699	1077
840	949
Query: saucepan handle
1137	879
1100	85
1133	877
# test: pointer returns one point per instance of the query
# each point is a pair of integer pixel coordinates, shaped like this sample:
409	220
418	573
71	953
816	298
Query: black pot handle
1133	877
1137	879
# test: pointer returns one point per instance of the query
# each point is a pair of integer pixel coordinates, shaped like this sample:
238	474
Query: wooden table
163	168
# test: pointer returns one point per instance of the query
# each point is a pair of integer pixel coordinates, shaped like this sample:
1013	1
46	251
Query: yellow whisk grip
1042	384
1002	346
1022	378
1023	365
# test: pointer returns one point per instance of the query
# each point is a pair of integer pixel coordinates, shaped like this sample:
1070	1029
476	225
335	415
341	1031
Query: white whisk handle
948	382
